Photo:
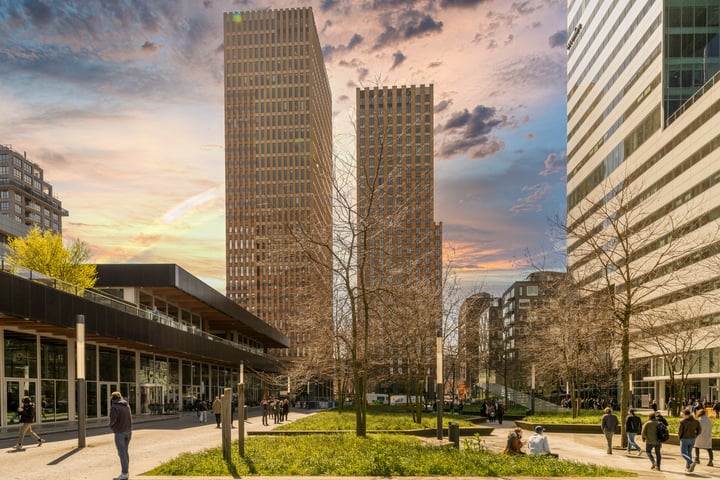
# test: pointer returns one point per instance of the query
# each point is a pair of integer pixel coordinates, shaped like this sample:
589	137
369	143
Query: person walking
500	410
688	430
538	444
26	413
704	440
652	443
633	426
265	408
609	424
121	425
202	411
217	409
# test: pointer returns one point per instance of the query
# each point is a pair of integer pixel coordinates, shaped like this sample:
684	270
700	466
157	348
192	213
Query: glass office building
643	109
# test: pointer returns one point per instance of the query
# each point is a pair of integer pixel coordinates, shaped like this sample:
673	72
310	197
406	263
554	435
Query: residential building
26	199
400	245
278	170
643	177
518	302
470	341
191	346
491	344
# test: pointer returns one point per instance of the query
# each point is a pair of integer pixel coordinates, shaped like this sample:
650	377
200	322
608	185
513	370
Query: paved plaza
155	442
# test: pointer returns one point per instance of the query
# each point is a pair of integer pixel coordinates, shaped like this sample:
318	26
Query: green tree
43	251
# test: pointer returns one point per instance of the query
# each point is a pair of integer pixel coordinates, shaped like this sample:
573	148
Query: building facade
643	178
26	199
400	249
278	169
492	344
163	359
518	302
470	340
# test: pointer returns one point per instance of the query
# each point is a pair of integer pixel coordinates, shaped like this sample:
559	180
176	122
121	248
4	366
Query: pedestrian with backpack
650	435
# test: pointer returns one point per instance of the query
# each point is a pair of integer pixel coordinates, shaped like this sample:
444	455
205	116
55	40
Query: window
532	290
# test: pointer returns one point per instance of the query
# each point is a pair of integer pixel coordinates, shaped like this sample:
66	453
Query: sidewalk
158	441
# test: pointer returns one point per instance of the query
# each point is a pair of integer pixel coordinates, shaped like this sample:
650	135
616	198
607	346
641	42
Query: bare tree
571	339
623	249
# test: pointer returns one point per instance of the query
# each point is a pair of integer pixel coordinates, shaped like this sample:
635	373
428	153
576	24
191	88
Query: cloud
398	59
469	132
554	163
330	50
558	39
435	64
443	105
326	5
172	215
40	14
362	74
406	25
343	98
149	47
526	208
526	7
460	3
536	70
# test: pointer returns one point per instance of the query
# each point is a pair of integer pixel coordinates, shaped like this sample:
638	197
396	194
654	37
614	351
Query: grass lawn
379	417
377	455
593	417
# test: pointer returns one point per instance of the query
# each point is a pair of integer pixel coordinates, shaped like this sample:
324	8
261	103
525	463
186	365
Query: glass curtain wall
691	48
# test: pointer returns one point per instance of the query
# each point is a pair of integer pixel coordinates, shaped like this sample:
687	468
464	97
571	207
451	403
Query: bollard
454	433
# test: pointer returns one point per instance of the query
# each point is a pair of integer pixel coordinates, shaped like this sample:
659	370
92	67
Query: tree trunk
624	377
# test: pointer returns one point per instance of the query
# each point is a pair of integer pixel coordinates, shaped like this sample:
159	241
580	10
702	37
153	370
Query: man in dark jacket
609	424
688	430
121	425
633	426
27	417
650	437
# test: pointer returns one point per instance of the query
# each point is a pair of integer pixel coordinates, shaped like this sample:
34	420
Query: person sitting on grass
514	443
538	444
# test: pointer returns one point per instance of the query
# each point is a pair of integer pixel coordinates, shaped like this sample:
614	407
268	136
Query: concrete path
155	442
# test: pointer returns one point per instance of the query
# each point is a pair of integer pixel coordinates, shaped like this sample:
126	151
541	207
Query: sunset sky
121	103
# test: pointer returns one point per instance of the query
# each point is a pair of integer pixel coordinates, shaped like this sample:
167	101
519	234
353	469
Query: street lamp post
440	397
80	382
532	390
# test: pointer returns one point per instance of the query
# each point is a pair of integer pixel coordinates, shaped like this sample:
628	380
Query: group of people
694	433
537	444
278	408
493	410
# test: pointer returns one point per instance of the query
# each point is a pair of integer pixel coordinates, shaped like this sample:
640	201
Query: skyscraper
643	177
278	164
402	253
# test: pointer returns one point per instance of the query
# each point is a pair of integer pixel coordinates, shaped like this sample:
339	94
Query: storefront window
20	355
108	365
127	366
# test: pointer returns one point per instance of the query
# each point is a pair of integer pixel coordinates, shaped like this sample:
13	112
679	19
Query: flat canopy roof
177	285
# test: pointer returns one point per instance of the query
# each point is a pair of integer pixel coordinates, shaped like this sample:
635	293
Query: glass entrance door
106	388
15	390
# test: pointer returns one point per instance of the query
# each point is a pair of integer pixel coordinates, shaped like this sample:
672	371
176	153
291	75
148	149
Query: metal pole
439	394
80	381
532	391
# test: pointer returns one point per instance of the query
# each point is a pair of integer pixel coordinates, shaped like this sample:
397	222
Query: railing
117	304
695	96
520	398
